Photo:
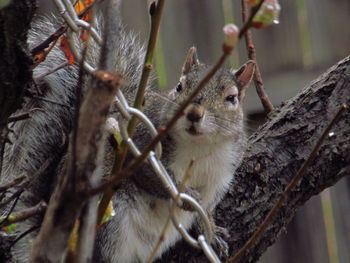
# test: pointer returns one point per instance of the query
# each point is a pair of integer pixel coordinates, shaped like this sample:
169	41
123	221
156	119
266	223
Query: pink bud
231	32
268	14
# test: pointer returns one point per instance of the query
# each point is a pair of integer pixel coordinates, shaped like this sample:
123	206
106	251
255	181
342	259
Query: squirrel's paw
219	242
194	194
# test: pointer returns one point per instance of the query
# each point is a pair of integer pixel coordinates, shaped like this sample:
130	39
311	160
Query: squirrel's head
216	112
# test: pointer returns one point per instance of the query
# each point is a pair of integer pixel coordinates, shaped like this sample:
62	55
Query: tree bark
15	66
274	154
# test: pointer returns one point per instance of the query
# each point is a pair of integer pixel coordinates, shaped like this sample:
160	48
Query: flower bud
268	14
231	32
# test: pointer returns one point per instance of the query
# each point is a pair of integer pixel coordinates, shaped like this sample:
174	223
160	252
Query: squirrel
211	132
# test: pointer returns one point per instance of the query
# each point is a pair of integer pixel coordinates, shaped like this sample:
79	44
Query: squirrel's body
211	132
143	216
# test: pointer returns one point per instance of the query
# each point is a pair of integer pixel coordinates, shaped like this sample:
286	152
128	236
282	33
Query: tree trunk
15	71
274	154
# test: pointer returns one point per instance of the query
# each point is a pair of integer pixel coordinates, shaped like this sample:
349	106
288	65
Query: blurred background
312	36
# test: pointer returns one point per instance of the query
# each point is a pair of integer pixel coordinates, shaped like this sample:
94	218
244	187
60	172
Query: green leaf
9	229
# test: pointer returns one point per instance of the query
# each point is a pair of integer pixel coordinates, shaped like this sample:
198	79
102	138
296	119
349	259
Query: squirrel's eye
179	87
231	98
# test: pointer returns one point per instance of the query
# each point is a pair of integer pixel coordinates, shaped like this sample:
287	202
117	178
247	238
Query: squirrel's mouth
193	131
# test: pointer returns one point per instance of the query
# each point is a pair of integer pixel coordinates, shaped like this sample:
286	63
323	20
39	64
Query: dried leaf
40	57
81	5
66	50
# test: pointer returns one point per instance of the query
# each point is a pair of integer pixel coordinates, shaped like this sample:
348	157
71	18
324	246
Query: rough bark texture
274	154
15	71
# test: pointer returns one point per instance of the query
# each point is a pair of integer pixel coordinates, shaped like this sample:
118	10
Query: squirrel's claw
219	242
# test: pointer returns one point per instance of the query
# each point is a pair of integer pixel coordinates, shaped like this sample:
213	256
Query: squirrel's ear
243	77
191	60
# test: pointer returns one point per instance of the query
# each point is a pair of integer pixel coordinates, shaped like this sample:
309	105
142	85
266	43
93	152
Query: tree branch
23	215
290	187
258	82
275	152
248	21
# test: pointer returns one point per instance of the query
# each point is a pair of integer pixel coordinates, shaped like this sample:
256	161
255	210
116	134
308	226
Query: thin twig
74	133
26	183
50	71
290	187
3	140
156	11
23	116
19	117
3	194
23	215
43	54
6	218
23	235
14	182
14	196
181	188
248	22
252	55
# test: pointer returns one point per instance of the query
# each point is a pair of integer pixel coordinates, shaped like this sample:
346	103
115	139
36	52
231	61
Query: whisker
228	129
221	118
248	126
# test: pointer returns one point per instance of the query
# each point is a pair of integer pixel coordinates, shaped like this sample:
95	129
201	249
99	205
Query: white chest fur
212	172
212	169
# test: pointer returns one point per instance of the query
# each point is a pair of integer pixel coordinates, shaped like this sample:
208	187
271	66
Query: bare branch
23	215
22	235
14	182
248	21
12	197
252	55
296	179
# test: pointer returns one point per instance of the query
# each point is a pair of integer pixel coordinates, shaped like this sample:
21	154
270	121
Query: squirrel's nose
195	113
